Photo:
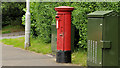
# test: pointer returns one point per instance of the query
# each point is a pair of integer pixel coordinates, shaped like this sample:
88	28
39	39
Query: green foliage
42	20
80	16
43	15
12	12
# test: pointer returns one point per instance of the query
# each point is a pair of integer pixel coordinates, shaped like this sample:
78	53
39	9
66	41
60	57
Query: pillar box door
63	26
60	32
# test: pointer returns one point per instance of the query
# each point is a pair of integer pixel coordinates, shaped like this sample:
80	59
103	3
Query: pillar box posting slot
63	25
103	39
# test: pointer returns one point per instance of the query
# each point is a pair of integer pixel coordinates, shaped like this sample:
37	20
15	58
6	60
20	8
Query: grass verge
36	44
11	28
78	56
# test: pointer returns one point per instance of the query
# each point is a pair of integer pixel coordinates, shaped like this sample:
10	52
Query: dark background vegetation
12	13
43	15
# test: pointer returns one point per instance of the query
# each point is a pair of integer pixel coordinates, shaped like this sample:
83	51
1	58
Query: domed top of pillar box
64	9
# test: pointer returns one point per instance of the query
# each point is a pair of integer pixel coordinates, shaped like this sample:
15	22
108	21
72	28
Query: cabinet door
94	45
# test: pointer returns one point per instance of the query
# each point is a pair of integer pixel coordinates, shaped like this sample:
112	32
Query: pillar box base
63	57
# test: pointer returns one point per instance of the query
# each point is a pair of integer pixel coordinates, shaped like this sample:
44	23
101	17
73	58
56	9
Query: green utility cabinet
103	39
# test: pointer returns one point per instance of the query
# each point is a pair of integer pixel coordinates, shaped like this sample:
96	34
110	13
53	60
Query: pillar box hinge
106	44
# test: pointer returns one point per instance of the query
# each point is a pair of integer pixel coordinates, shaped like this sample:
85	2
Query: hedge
43	15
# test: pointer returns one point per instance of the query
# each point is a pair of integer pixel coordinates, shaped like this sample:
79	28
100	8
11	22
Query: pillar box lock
63	26
103	39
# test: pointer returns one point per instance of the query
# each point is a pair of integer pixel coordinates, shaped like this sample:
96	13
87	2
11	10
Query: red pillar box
63	25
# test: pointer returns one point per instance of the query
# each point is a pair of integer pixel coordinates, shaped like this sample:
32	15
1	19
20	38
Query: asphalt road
12	56
13	35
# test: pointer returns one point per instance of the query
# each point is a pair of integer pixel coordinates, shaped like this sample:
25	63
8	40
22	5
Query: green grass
4	32
36	45
16	42
11	28
40	47
80	57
